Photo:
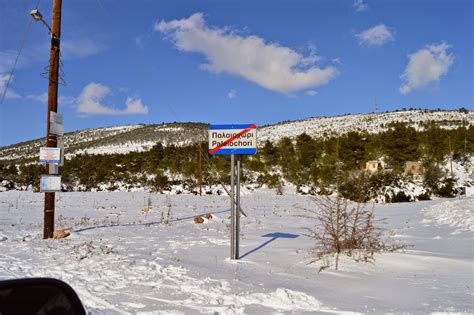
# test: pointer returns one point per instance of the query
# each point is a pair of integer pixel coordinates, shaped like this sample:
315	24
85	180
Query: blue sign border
241	126
50	161
235	151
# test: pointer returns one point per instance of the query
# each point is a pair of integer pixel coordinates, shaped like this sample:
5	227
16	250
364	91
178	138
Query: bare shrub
166	218
145	211
280	189
146	206
88	249
346	228
84	221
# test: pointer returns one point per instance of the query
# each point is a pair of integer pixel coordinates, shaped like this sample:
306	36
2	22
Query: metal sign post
235	205
236	211
233	233
235	140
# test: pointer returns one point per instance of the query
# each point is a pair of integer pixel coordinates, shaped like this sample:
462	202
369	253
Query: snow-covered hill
120	139
137	138
372	123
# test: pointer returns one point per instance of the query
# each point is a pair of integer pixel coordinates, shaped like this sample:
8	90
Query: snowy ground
121	261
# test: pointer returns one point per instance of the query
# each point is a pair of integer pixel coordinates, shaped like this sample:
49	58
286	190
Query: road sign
56	126
50	183
233	139
56	129
50	155
56	118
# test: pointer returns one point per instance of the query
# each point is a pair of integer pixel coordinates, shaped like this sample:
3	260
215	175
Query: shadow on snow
273	237
142	224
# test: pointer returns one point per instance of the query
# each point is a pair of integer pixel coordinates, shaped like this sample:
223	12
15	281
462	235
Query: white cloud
43	98
80	48
135	106
7	59
232	94
375	36
66	100
311	93
26	58
360	6
90	102
425	66
312	57
270	65
3	85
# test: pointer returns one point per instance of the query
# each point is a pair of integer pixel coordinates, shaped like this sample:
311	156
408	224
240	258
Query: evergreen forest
322	165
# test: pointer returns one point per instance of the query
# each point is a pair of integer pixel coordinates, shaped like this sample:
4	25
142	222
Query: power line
16	61
18	56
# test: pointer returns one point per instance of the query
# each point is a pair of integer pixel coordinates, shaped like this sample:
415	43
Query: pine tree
400	144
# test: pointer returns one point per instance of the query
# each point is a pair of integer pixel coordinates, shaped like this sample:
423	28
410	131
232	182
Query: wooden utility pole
51	139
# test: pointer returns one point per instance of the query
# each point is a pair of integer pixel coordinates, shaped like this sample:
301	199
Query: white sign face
53	169
56	129
233	139
56	118
56	126
50	155
50	183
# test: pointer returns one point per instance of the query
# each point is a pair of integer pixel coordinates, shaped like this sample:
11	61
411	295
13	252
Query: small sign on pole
50	183
50	155
56	126
56	117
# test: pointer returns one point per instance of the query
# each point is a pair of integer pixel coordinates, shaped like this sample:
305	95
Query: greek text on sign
50	155
233	139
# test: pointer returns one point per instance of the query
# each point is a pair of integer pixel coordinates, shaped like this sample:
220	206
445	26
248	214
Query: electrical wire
18	57
16	61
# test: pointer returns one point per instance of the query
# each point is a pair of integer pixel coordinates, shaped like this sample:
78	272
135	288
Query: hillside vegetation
313	164
139	138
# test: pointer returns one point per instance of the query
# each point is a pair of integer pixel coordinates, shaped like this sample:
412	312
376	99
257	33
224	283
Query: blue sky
144	61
